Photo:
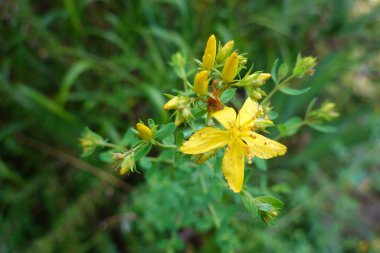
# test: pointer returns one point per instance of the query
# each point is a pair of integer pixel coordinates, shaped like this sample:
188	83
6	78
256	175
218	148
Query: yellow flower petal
205	140
233	165
263	147
247	112
226	117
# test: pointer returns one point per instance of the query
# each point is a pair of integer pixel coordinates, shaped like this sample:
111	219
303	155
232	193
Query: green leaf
106	157
197	112
165	130
294	92
274	202
283	71
43	101
272	115
249	203
179	139
274	71
70	78
151	123
218	161
143	151
227	95
310	106
129	138
290	127
324	129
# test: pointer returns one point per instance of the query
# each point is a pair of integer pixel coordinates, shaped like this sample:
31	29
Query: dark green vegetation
105	64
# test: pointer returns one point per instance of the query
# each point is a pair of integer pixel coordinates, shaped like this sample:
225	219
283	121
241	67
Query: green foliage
105	64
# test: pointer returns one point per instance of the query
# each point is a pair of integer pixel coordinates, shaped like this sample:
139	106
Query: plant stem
161	145
276	88
111	145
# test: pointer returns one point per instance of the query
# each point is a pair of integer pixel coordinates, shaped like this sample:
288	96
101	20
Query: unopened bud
208	58
263	77
89	141
144	132
186	113
178	119
304	65
128	164
201	83
175	102
225	51
230	68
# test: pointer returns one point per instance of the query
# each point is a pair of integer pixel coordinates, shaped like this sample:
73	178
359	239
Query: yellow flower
144	131
230	68
239	138
208	58
201	83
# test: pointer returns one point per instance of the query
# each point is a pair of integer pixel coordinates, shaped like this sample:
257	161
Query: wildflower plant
206	129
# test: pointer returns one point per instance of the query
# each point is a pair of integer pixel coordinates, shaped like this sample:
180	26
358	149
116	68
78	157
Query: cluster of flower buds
182	107
89	141
125	162
217	72
253	82
326	112
304	65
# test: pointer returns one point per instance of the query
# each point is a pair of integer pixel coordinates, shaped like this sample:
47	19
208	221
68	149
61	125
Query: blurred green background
104	64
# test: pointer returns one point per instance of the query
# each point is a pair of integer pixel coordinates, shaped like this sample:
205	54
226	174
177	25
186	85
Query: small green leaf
272	115
274	71
249	203
143	151
227	95
197	112
218	162
106	157
324	129
310	106
274	202
129	138
70	78
290	127
283	71
151	123
165	130
294	92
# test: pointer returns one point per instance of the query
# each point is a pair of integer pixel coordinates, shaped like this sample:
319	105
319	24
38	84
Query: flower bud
263	77
208	58
186	113
128	164
89	141
304	65
175	102
328	110
144	132
201	83
230	68
178	119
224	52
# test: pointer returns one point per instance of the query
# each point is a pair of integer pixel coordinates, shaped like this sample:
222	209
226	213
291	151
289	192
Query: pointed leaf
294	92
